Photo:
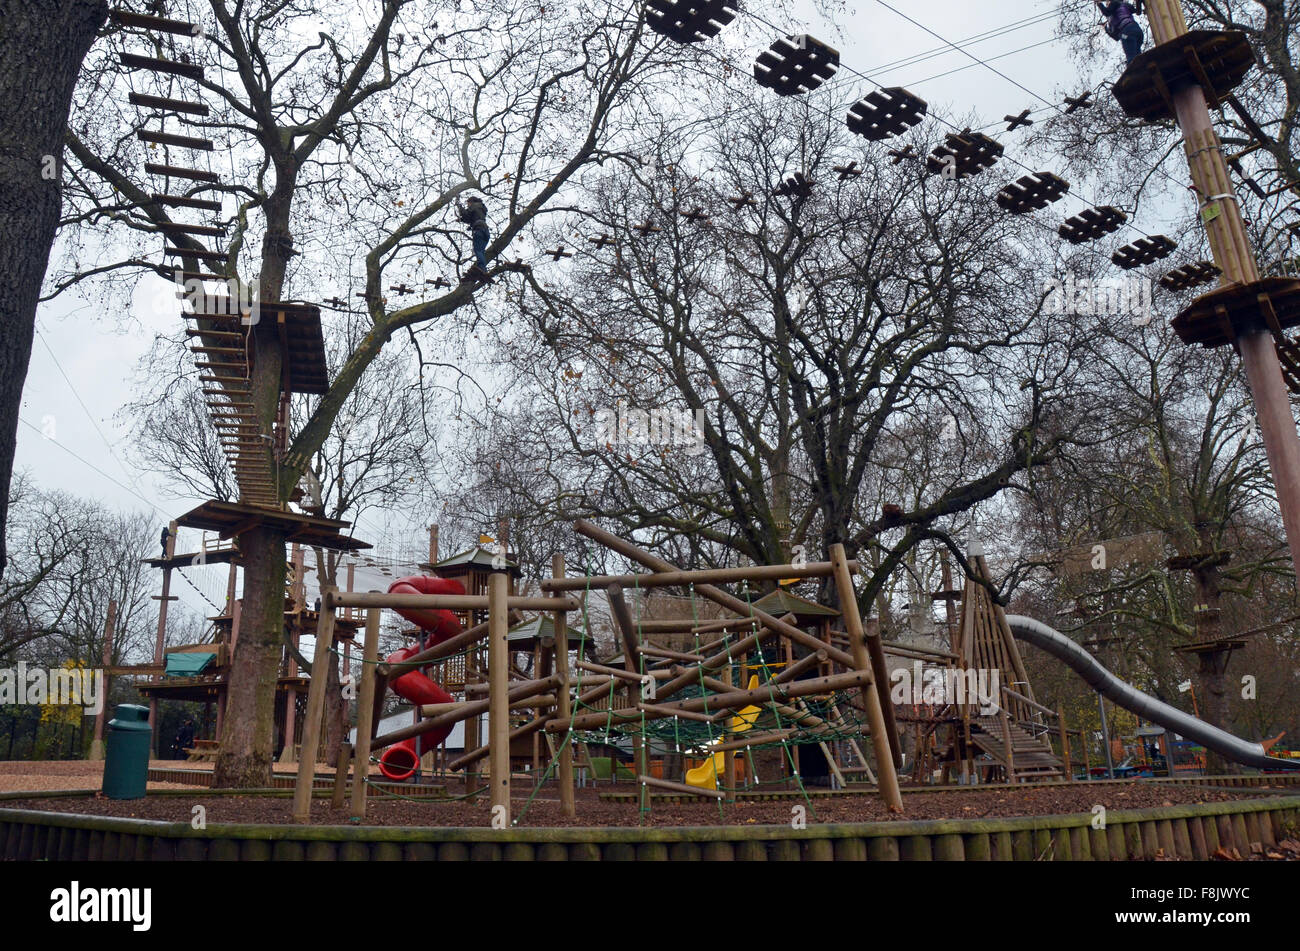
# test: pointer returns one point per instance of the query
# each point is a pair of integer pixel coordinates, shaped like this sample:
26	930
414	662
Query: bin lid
130	716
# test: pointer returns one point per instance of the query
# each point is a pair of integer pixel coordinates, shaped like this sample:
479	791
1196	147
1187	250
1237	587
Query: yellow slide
709	774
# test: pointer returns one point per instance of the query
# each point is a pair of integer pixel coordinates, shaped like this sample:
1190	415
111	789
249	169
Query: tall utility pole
1178	79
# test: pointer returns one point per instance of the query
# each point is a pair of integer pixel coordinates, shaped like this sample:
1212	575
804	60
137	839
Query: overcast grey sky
98	352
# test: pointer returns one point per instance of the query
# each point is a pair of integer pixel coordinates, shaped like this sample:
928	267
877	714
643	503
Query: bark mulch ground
544	810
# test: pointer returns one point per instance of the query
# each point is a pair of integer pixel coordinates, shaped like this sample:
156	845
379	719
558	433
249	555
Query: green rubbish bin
126	758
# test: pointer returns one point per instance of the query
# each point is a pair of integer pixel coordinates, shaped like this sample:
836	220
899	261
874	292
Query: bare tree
353	141
861	363
41	50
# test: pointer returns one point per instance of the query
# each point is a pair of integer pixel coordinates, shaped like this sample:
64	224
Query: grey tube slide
1148	708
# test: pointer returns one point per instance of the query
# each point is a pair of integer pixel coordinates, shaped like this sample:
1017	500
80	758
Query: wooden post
433	545
498	699
341	774
873	698
97	744
1006	738
563	709
365	714
631	654
311	729
1065	743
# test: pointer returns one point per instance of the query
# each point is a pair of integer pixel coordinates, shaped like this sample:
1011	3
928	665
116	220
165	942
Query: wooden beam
311	727
365	712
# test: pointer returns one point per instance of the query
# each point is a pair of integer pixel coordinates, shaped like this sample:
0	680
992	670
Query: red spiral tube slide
400	761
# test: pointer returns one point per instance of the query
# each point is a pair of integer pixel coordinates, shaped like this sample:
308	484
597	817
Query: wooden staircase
1031	756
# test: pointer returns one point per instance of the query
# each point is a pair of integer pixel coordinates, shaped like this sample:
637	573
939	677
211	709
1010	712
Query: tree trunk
248	737
248	733
42	46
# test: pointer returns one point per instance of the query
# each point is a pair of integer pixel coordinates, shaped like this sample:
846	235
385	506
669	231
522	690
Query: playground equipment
401	761
1130	698
708	775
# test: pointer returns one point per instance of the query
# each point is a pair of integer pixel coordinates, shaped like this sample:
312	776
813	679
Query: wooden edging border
1194	831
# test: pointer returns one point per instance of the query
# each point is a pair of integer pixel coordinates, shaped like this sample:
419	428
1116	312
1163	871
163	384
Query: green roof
781	602
188	664
543	626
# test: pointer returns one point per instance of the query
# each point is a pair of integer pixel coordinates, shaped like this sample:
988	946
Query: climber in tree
474	214
1121	24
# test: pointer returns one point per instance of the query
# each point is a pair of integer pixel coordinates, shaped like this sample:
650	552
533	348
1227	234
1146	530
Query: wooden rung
191	332
238	350
173	227
153	64
182	201
165	102
191	253
207	365
173	171
144	21
224	379
197	276
170	138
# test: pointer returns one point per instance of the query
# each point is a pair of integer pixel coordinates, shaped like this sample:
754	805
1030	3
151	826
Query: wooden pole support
883	739
498	696
313	721
365	713
341	775
564	709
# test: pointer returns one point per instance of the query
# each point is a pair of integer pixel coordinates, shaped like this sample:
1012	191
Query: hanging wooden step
1091	224
173	227
167	103
173	171
144	21
885	112
1190	275
1032	193
168	138
196	253
796	64
229	381
155	65
214	333
964	155
1143	251
182	201
205	349
690	21
180	277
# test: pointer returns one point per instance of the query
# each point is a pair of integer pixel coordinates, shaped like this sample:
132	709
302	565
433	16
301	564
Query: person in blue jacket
1122	25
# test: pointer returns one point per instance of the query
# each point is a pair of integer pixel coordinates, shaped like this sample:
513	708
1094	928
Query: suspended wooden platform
228	519
1219	317
1214	60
